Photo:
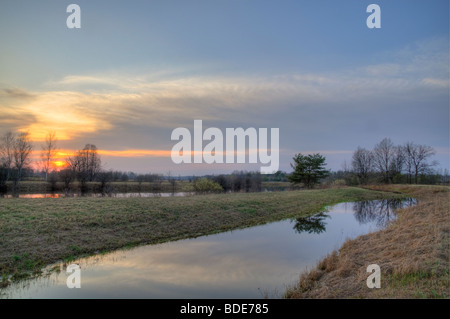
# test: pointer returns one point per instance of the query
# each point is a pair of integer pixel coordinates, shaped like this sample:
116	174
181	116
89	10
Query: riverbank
38	232
413	255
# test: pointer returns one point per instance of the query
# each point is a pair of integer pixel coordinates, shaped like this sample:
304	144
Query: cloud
16	93
115	104
440	83
169	104
383	69
14	114
136	153
62	154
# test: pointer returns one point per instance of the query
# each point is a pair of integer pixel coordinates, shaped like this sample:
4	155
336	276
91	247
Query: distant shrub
340	182
204	185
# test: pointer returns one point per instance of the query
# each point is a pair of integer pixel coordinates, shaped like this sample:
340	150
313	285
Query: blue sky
136	70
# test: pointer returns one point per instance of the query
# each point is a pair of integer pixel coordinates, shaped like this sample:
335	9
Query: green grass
421	282
37	232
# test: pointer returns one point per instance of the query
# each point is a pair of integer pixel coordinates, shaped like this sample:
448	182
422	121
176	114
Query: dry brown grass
413	254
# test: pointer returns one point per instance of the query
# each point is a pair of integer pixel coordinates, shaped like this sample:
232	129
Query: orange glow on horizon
59	164
62	154
59	159
136	153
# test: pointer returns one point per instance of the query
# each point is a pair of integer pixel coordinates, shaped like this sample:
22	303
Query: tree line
391	163
386	162
85	166
15	160
15	150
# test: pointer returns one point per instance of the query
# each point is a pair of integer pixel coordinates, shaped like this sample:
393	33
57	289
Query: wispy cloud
440	83
136	153
88	104
16	93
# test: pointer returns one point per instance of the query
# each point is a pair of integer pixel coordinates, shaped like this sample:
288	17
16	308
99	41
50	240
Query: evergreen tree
308	169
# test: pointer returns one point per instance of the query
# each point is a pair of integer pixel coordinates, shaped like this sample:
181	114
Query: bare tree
398	160
67	176
6	159
48	152
383	157
105	178
156	184
362	164
85	164
256	182
172	181
22	148
417	159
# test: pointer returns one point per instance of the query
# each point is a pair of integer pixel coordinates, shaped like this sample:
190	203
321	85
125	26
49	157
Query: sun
58	165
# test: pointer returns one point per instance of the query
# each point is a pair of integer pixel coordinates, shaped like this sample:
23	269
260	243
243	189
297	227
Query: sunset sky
136	70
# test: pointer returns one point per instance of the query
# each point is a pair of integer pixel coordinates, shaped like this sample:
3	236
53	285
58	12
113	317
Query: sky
137	70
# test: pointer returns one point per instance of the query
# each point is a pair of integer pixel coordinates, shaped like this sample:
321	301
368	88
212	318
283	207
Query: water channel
247	263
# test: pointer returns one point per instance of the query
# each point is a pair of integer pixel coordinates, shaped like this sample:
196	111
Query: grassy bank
413	255
38	232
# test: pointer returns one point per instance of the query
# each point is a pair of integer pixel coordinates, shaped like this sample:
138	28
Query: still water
248	263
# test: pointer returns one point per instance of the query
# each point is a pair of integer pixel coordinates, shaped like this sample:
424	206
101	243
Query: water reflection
382	212
313	224
246	263
378	212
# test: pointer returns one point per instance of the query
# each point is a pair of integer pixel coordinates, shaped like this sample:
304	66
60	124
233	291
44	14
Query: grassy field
413	255
38	232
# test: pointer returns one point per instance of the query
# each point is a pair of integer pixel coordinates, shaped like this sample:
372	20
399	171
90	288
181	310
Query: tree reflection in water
312	224
382	212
